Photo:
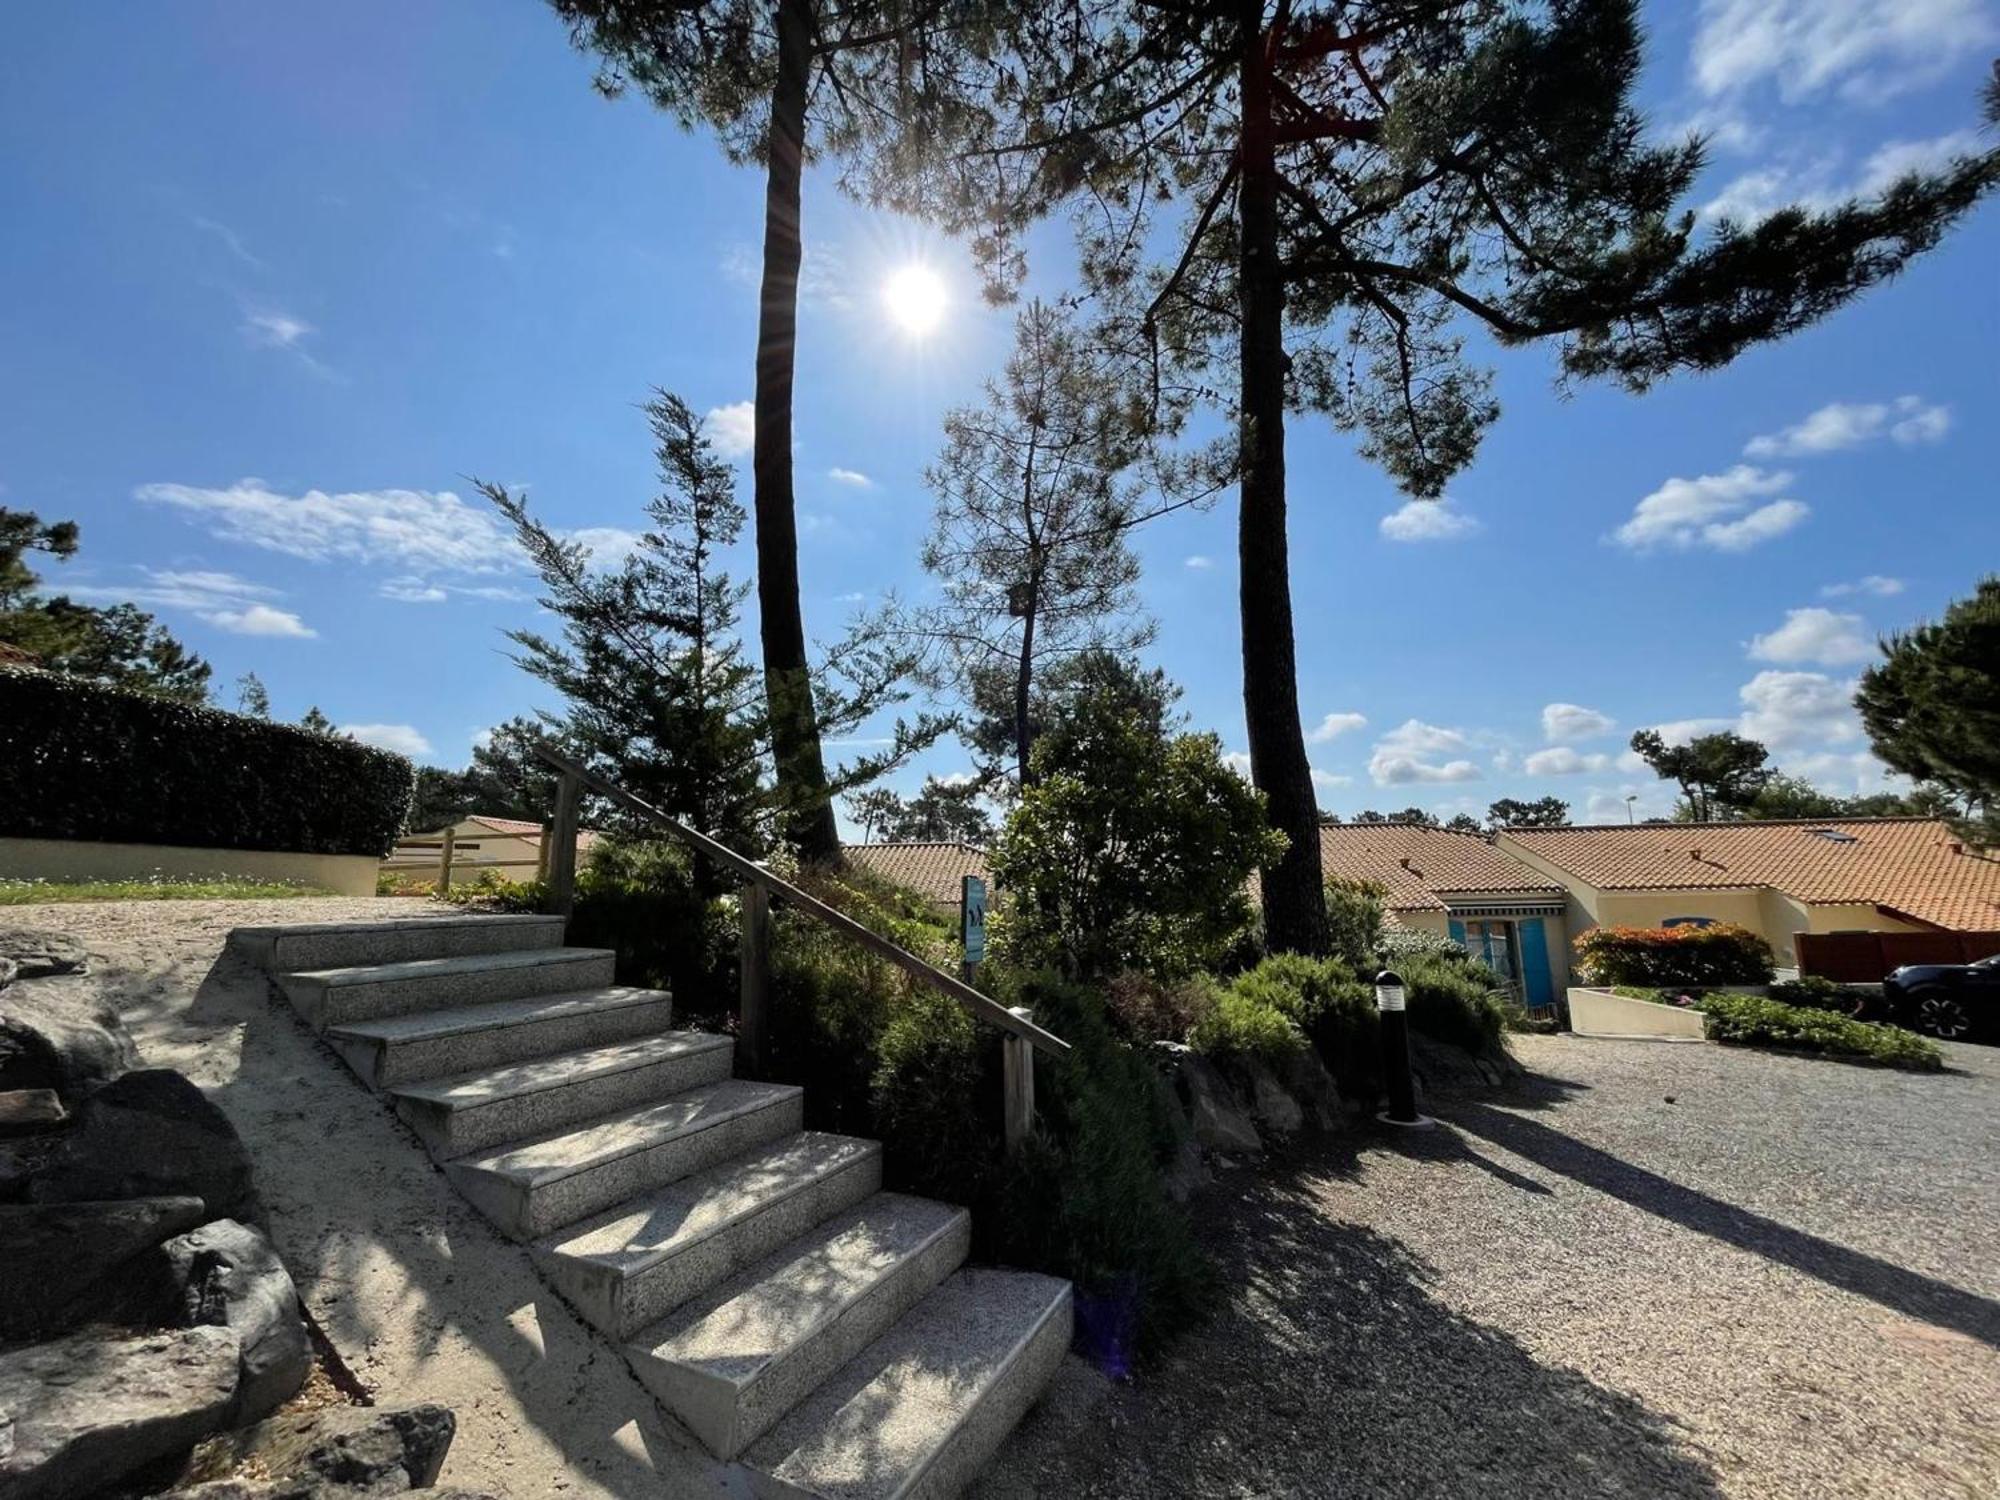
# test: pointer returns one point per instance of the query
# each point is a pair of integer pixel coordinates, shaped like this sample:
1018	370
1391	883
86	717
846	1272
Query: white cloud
608	545
1199	563
1333	726
1822	180
1239	762
230	238
1865	49
1415	752
401	738
1563	761
1679	732
1329	779
1875	583
1572	721
221	599
1820	636
1428	521
853	478
422	531
1907	419
733	428
1609	804
275	330
260	619
1784	709
1712	511
411	591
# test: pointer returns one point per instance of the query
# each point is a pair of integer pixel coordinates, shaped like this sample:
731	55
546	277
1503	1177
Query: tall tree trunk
1294	903
1024	678
787	677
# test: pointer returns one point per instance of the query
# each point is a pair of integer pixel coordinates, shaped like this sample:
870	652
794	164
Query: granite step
476	1110
370	992
919	1412
733	1361
637	1262
533	1188
440	1043
292	947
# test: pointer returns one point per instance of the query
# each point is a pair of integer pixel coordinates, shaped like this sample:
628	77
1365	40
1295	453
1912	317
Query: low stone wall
1603	1014
81	859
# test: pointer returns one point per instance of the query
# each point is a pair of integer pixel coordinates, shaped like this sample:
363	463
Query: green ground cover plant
36	892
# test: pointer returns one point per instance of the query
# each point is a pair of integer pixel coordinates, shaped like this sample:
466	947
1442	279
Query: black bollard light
1391	1002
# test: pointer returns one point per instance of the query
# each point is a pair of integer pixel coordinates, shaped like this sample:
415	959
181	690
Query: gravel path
1665	1271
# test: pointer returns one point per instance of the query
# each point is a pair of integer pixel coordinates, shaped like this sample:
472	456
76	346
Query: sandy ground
421	1299
1666	1271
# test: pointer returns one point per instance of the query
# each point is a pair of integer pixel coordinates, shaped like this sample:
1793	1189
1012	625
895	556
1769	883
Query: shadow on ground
1332	1369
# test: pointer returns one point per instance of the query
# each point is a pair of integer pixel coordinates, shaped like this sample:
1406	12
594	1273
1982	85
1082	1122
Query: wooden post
542	854
444	861
1017	1065
562	846
754	995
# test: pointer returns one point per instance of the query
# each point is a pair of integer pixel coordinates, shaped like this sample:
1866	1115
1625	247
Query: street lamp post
1391	1005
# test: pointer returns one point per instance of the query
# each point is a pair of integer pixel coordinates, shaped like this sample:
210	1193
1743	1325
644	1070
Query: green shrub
1333	1007
1753	1021
1660	956
935	1098
1401	945
1242	1023
1817	993
1454	1000
1087	1198
1354	919
80	760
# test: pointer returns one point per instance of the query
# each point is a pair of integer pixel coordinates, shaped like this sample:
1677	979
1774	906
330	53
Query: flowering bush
1660	957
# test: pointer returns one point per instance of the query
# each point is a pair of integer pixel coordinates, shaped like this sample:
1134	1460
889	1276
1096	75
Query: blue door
1536	982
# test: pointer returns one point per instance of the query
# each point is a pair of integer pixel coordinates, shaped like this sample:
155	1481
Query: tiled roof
1914	866
505	825
932	870
1416	862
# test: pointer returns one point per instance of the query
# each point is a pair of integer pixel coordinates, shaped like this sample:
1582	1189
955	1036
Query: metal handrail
983	1006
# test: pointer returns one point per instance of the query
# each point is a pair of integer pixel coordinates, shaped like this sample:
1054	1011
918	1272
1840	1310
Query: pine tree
251	698
1029	537
1931	706
1343	191
1720	775
659	696
315	722
1543	812
779	82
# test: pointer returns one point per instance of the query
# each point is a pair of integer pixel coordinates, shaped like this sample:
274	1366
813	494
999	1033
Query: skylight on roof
1833	836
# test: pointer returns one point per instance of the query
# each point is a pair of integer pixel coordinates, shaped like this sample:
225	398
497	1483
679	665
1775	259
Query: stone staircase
781	1306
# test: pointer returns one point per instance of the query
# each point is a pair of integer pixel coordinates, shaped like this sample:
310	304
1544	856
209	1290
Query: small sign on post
972	921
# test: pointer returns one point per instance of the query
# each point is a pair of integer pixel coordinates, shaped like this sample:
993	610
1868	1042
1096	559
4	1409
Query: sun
916	299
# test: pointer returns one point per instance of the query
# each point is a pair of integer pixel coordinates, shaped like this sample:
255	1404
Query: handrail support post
1017	1066
562	845
753	1011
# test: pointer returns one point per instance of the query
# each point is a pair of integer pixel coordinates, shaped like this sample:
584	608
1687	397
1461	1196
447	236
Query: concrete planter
85	859
1601	1013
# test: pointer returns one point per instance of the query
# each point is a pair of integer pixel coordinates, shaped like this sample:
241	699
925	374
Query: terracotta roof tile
1416	862
1914	866
932	870
505	825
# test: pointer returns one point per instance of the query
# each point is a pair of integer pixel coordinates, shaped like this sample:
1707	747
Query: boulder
1306	1079
342	1449
1270	1105
55	1037
1220	1123
92	1408
23	1111
38	950
59	1256
227	1274
148	1134
9	971
1442	1066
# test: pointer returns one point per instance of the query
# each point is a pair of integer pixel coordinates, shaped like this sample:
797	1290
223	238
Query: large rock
1273	1108
30	1111
342	1449
150	1134
38	950
1219	1121
227	1274
1442	1067
58	1257
55	1037
90	1409
1306	1079
9	971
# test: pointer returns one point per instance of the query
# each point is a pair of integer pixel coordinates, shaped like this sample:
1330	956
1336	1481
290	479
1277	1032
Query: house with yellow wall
1779	879
1458	885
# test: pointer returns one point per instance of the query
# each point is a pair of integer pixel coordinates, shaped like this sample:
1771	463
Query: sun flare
915	297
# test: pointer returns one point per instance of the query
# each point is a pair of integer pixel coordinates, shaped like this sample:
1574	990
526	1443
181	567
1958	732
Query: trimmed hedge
1753	1021
1658	956
79	760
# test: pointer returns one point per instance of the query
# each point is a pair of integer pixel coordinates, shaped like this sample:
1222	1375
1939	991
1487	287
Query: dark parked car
1956	1002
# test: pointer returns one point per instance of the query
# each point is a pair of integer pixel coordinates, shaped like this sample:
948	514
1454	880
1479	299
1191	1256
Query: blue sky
281	279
